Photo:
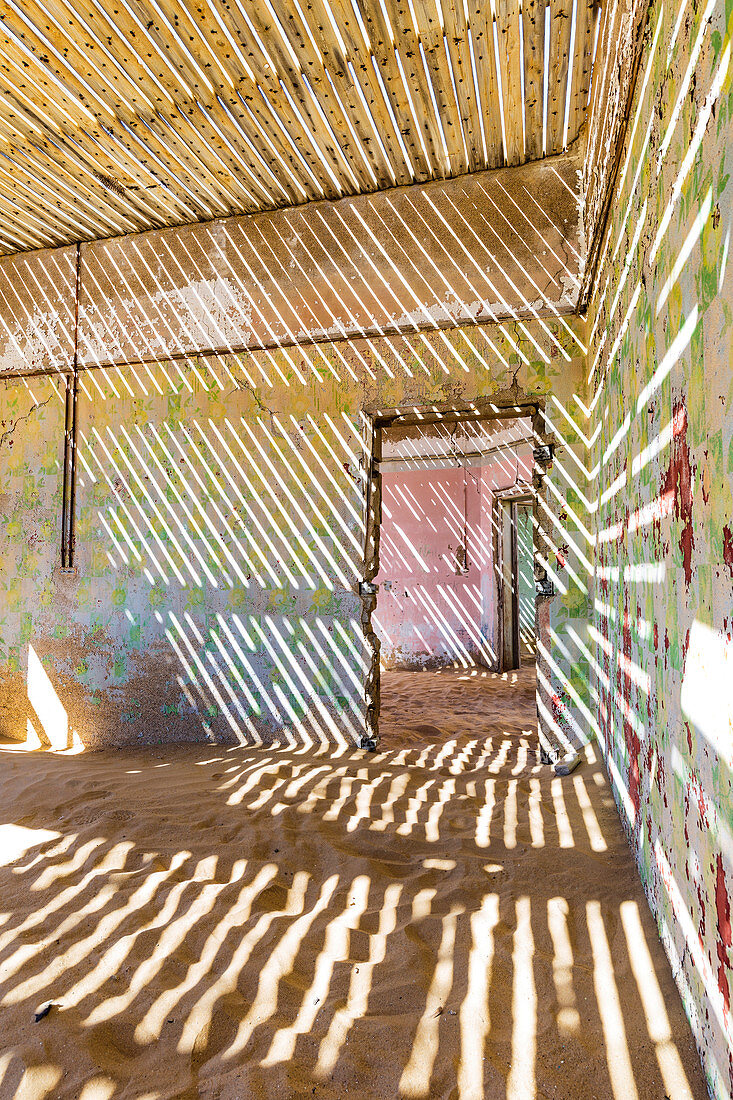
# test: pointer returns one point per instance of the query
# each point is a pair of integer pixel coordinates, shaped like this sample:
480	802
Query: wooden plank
216	127
316	94
337	60
171	64
481	23
151	112
374	115
507	25
29	174
266	122
60	183
557	79
456	33
264	129
407	45
585	33
19	191
164	75
78	169
28	124
85	47
188	163
308	122
533	29
430	34
39	89
385	98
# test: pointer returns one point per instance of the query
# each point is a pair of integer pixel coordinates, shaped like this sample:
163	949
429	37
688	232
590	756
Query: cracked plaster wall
220	533
415	257
220	520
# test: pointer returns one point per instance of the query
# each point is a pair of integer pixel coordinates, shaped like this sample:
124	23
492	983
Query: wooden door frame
374	419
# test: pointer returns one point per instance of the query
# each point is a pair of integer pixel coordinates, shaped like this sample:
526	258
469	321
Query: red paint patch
722	904
701	925
728	547
559	709
678	480
630	736
685	646
723	978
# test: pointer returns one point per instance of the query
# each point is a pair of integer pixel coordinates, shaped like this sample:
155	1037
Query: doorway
455	587
515	534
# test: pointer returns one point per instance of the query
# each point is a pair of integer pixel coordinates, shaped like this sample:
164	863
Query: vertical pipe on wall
72	472
68	493
65	483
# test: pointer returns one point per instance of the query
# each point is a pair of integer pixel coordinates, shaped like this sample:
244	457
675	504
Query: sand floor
440	919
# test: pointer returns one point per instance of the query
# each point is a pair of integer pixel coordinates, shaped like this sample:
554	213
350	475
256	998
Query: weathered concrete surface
660	471
31	430
37	291
411	258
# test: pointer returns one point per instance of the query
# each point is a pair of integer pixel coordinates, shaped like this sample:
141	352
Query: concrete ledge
410	259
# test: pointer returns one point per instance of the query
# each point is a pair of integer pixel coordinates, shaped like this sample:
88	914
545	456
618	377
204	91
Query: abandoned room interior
366	586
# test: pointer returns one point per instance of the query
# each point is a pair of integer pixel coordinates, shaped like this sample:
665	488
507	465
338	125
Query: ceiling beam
488	247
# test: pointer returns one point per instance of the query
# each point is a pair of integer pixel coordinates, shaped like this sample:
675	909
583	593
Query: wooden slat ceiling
122	115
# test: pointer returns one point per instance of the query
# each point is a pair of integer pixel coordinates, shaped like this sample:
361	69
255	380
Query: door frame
506	573
373	421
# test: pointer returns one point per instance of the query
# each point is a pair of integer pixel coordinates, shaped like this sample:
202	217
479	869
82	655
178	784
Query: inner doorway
516	554
456	587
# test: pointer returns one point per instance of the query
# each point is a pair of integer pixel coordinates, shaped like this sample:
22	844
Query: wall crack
9	432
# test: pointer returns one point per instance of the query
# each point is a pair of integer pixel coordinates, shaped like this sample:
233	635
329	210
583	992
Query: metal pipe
68	492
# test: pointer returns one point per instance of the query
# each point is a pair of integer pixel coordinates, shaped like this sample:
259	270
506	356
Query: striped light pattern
117	118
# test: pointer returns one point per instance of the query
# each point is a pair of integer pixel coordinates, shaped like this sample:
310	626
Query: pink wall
429	610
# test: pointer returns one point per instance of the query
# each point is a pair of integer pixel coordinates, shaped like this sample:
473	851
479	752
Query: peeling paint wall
225	446
408	258
660	469
220	531
31	430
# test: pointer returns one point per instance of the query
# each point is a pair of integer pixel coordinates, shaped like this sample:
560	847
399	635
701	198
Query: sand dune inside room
254	923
